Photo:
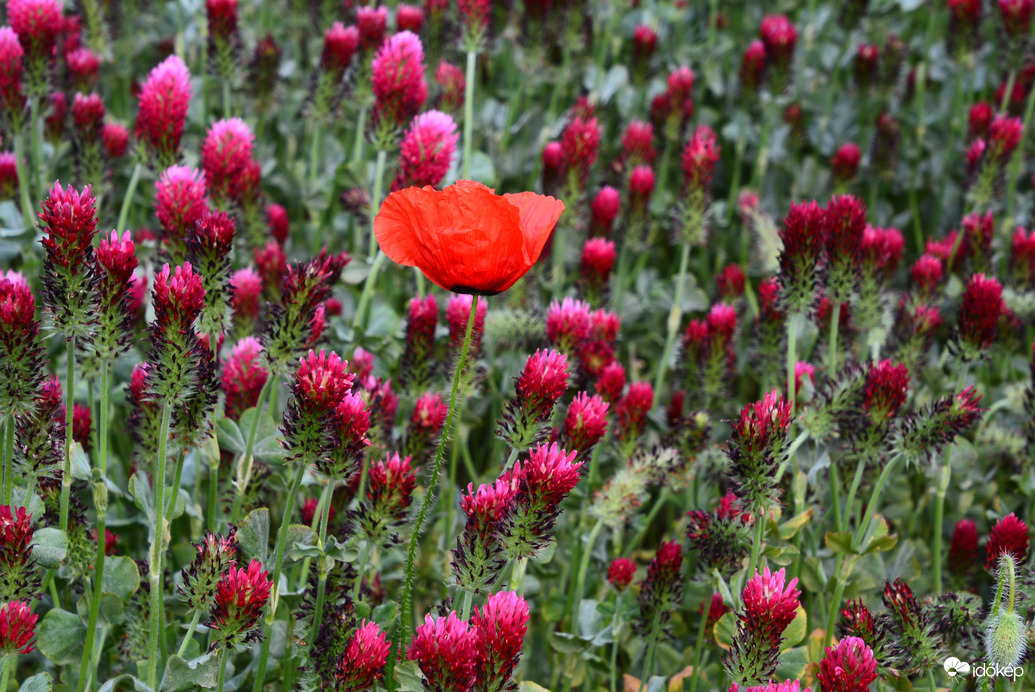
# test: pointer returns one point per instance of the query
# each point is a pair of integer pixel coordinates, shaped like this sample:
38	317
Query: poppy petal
539	214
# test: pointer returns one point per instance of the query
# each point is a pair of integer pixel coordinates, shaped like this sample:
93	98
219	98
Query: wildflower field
650	346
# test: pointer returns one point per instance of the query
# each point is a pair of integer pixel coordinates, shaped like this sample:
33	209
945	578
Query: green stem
321	588
222	670
835	493
246	457
213	493
101	498
411	554
835	605
35	122
157	583
756	545
675	317
360	318
190	633
468	114
314	156
698	650
278	561
842	521
465	607
170	504
9	662
375	198
864	525
939	517
576	595
648	662
360	138
792	339
616	624
9	462
66	472
127	200
227	109
24	184
835	321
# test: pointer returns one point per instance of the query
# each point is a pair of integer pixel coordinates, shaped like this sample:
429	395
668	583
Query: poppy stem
468	114
406	608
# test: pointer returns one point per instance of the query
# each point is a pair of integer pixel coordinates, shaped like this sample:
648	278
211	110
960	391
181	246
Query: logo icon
953	666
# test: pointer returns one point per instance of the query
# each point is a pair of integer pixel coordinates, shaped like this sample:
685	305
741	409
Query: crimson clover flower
164	99
17	629
427	150
388	499
241	596
215	554
542	383
243	377
1009	535
363	662
447	651
770	604
620	573
500	625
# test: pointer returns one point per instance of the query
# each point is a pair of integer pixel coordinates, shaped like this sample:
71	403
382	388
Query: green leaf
112	610
840	542
795	631
482	169
723	587
526	686
34	506
198	672
567	644
792	664
782	555
590	619
121	577
384	615
408	677
229	436
141	493
61	636
41	682
49	546
253	534
725	629
125	682
880	541
301	542
790	528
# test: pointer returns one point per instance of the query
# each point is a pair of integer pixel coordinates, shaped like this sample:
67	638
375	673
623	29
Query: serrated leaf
198	672
49	546
60	637
253	534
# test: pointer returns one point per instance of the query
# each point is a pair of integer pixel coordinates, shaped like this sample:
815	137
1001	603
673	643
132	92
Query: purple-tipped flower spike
541	384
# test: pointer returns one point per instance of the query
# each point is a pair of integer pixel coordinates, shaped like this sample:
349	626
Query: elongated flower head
845	162
372	23
88	116
638	143
446	650
542	382
769	599
779	37
662	587
846	224
225	154
243	377
391	485
466	238
340	44
752	65
215	554
604	209
115	138
181	198
19	574
567	323
980	310
804	237
164	99
452	82
500	625
963	549
363	662
37	23
848	667
1009	535
580	144
178	297
597	262
763	425
22	369
17	629
241	596
645	42
1016	16
398	76
620	573
886	389
551	473
427	150
322	381
458	314
699	158
69	222
585	422
222	19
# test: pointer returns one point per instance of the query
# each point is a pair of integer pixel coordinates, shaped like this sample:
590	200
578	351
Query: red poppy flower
466	238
